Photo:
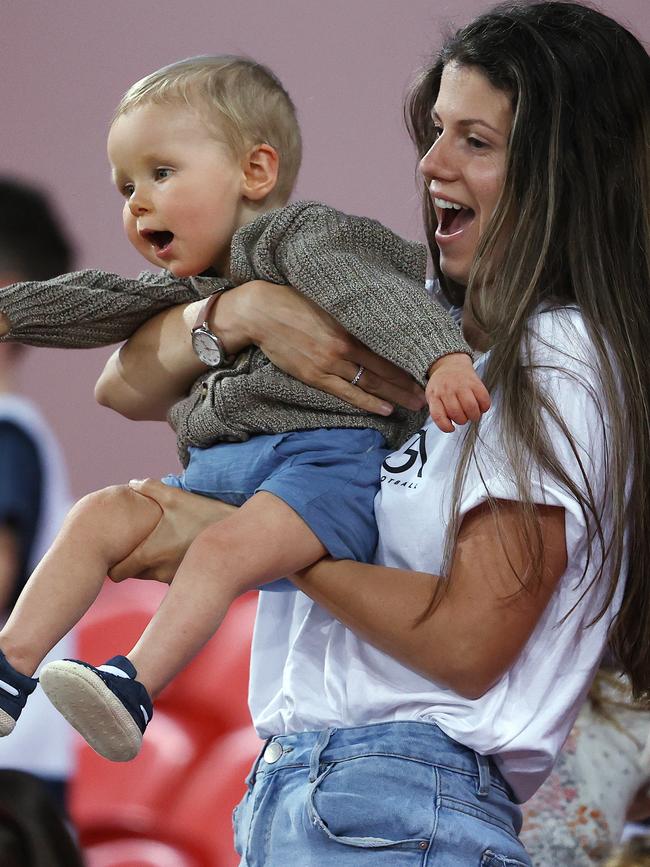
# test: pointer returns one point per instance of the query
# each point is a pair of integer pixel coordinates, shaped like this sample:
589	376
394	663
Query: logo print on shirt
415	450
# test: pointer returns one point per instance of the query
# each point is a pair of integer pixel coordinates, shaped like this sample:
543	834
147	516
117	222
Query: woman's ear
260	167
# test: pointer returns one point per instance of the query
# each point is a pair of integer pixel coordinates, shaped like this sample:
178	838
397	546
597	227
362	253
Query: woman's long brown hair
575	209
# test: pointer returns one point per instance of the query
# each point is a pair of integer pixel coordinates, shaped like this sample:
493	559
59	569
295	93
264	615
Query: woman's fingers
184	516
384	379
381	386
302	339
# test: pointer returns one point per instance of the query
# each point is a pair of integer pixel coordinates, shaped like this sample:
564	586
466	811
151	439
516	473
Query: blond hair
242	100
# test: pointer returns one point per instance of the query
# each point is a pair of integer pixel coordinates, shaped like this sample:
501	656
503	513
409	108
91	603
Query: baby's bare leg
264	540
100	530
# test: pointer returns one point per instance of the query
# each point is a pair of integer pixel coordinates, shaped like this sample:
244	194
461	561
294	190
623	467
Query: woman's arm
154	368
157	365
481	624
479	628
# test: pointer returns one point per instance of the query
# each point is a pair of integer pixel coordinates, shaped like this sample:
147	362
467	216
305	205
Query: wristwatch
205	342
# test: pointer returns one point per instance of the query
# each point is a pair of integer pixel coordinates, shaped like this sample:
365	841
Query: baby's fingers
471	407
482	397
439	415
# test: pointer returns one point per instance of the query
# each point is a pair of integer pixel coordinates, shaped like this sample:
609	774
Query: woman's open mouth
452	217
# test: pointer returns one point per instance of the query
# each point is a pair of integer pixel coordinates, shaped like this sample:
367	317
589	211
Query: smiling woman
411	702
465	166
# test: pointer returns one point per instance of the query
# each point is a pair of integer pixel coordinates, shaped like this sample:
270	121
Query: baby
205	153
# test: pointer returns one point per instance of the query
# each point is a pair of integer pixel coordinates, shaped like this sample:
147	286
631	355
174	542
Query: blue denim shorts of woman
387	795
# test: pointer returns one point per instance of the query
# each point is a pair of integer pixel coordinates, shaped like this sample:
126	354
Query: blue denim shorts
328	476
390	794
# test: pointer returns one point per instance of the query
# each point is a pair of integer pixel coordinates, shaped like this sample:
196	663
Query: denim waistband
420	741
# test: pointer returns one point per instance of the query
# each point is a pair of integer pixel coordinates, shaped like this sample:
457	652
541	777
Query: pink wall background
64	65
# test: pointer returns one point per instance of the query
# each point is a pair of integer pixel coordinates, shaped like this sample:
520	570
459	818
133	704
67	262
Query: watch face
207	347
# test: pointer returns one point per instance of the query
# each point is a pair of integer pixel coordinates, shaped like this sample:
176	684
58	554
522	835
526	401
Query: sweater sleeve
92	308
368	278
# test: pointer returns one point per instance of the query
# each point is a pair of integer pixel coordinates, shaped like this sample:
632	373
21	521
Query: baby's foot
106	705
15	688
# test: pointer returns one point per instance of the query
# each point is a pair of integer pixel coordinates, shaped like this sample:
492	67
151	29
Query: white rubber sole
90	707
7	723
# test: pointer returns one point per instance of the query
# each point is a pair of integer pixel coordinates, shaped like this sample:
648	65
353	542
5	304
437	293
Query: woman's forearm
481	623
157	365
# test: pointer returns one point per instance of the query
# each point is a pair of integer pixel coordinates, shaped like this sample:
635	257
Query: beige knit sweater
365	276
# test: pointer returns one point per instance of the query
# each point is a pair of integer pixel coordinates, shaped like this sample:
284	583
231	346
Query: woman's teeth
453	217
443	203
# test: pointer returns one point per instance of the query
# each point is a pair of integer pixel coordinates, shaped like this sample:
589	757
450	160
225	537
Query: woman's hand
302	339
157	365
184	516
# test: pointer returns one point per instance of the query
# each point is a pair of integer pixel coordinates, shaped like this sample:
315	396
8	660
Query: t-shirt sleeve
563	363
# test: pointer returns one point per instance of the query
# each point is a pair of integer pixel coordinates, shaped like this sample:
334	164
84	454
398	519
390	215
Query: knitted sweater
369	279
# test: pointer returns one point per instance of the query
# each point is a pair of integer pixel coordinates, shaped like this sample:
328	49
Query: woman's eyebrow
470	121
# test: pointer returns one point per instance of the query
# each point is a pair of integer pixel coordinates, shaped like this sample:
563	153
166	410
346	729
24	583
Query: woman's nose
435	163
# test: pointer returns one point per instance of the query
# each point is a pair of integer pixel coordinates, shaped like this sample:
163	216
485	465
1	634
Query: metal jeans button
272	753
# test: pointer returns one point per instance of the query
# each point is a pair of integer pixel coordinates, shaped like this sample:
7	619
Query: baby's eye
162	173
127	190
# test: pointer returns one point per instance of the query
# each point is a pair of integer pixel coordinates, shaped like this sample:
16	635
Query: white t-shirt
308	671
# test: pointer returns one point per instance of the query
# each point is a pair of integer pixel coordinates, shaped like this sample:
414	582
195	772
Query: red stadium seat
196	751
212	691
133	797
201	817
214	687
139	853
116	620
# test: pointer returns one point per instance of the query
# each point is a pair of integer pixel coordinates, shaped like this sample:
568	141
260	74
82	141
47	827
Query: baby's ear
260	167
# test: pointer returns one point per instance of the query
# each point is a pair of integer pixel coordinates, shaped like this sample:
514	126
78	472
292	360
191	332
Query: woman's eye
476	143
437	132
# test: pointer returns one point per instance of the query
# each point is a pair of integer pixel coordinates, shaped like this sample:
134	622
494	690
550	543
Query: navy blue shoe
15	689
107	706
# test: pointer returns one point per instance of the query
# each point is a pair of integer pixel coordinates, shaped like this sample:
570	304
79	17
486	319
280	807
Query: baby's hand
455	392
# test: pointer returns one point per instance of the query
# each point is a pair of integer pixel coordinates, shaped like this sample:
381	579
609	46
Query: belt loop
250	779
483	763
314	759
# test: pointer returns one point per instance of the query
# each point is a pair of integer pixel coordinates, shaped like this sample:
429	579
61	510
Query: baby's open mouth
158	239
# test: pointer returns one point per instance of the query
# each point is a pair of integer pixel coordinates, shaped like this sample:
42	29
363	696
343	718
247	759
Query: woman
411	703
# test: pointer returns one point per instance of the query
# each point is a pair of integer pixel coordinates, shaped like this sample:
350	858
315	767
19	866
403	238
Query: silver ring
357	376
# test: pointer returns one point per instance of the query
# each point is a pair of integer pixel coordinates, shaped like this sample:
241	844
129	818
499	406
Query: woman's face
465	167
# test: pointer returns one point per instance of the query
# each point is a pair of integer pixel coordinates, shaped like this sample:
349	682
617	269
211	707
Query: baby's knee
116	504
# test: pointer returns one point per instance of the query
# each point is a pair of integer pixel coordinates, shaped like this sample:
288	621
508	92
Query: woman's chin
454	271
